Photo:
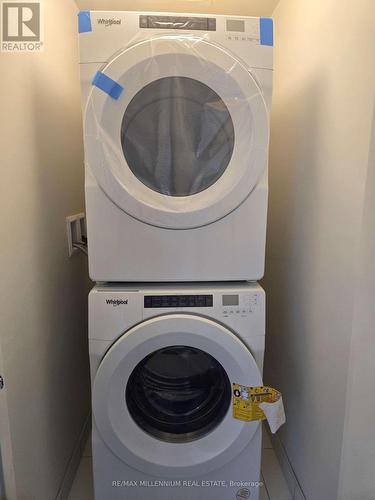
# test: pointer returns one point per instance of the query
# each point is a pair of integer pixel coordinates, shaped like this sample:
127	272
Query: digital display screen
178	23
161	301
231	300
236	25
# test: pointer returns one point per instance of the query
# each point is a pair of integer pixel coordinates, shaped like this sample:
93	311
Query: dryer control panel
178	23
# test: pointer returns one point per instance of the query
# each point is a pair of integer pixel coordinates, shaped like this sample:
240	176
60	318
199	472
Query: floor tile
266	441
284	464
82	488
276	484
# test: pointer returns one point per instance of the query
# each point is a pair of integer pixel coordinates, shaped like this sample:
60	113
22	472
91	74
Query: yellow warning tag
246	401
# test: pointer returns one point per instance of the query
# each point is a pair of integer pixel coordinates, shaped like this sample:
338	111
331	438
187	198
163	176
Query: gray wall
42	291
2	487
321	122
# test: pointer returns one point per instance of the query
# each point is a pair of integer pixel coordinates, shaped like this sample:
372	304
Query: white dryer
176	129
164	359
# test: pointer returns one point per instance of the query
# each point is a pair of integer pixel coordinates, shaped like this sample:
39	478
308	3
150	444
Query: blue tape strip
84	21
266	31
106	84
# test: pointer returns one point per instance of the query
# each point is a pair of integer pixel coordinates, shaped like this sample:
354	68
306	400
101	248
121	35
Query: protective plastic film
176	130
177	136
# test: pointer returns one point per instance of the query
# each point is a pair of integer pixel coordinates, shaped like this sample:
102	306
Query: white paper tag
274	413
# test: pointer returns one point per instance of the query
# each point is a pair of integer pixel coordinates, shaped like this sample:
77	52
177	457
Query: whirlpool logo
117	302
108	22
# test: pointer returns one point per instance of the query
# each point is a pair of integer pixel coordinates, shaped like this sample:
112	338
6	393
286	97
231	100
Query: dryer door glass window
177	136
178	394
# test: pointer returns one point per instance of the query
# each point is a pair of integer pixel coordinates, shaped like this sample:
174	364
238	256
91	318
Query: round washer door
186	141
162	396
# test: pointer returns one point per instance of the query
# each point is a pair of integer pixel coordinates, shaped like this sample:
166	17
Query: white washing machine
164	359
176	128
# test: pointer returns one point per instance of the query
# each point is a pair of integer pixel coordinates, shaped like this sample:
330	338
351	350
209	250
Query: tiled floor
275	488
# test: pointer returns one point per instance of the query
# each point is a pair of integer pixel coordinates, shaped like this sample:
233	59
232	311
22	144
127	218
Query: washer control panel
241	305
229	305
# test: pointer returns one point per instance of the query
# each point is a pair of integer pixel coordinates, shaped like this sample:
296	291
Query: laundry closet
242	281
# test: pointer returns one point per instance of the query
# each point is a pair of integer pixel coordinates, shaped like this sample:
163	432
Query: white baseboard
287	468
74	461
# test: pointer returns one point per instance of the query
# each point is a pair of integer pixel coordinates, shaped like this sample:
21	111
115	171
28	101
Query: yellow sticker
246	401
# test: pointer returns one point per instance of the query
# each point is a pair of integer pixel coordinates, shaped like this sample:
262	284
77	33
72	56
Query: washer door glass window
178	394
177	136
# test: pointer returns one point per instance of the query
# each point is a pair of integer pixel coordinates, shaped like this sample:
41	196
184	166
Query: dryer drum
178	394
177	136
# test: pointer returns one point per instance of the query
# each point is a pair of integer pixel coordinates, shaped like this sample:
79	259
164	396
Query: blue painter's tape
84	21
266	31
106	84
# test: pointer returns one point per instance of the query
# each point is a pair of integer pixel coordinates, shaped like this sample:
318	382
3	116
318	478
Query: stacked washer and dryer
176	130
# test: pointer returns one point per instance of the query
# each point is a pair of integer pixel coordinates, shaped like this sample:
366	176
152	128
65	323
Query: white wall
240	7
358	457
42	291
321	121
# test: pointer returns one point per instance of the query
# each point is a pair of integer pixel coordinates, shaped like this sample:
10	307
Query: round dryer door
186	141
162	396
